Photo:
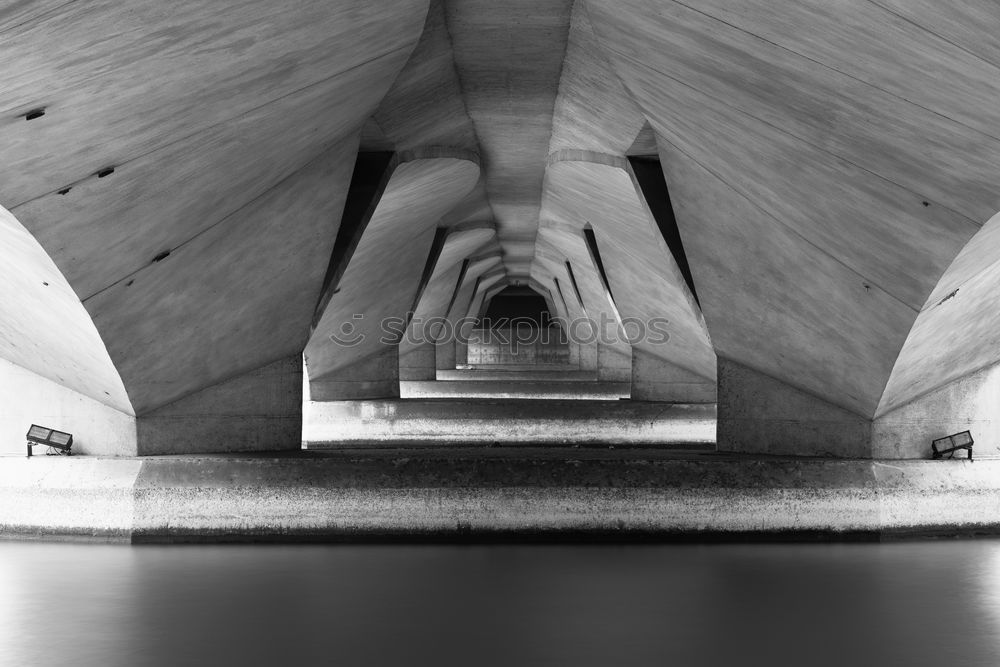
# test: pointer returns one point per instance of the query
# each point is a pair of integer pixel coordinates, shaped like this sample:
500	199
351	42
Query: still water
917	603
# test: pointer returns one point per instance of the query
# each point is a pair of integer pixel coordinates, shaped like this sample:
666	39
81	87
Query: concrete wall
614	362
382	277
444	355
957	332
654	379
419	362
258	411
518	346
760	414
27	398
484	422
374	377
971	403
825	168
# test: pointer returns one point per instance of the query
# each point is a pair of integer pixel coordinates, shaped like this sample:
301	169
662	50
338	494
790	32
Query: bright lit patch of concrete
536	390
555	422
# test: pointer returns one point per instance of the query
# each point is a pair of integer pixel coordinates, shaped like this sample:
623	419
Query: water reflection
921	603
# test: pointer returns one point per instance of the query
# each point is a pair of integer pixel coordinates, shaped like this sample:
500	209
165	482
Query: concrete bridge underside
802	193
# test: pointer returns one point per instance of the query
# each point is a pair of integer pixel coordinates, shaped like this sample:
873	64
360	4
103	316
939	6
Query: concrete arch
418	350
946	377
194	216
541	290
380	281
818	200
54	367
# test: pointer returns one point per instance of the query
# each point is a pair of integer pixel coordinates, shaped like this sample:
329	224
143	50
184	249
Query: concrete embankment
494	493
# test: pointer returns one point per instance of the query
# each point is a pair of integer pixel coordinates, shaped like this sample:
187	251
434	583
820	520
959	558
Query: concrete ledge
516	389
447	375
463	494
511	422
68	497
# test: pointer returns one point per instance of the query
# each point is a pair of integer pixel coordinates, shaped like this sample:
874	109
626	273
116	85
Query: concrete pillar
258	411
419	362
968	404
614	362
374	377
588	356
574	354
444	355
655	379
762	415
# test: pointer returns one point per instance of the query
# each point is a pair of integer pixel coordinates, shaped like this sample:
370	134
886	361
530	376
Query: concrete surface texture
382	277
516	420
462	494
179	188
28	398
544	389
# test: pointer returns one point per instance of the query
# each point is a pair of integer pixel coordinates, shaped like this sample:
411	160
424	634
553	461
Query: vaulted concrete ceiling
509	57
826	163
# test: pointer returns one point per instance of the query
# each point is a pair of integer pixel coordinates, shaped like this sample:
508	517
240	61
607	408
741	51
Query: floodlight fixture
951	444
58	442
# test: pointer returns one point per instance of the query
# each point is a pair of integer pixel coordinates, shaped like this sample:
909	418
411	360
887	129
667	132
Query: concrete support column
654	379
258	411
762	415
374	377
461	353
588	356
574	354
419	362
444	355
614	363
